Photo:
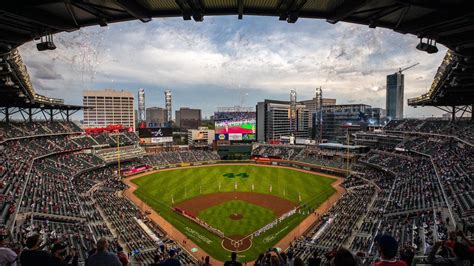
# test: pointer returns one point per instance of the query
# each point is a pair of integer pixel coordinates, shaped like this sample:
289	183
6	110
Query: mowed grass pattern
181	184
253	217
159	188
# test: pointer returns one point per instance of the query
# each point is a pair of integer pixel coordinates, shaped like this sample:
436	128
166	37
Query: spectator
388	248
315	260
299	262
122	256
344	257
407	255
103	257
172	260
233	260
260	260
207	261
460	252
7	256
58	255
33	255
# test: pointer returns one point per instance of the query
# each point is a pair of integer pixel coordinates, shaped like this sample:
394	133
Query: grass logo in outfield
211	194
232	175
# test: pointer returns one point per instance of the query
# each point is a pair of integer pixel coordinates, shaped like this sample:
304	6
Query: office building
394	96
338	120
156	117
187	118
108	107
273	120
312	107
202	136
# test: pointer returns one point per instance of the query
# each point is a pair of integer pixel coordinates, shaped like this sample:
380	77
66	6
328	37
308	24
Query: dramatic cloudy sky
225	62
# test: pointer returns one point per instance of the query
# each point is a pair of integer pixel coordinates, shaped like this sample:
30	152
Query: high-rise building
312	106
273	120
168	106
106	107
187	118
141	106
156	117
341	118
394	97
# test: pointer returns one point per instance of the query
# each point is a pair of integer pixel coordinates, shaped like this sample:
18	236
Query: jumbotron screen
235	125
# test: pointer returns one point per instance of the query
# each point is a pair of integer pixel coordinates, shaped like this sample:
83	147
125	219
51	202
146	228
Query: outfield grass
253	217
160	189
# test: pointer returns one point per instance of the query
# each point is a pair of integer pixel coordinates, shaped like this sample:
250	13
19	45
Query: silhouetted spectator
33	255
233	260
103	257
172	260
7	256
388	248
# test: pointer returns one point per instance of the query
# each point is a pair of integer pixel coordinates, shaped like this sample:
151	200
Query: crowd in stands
464	129
417	191
55	182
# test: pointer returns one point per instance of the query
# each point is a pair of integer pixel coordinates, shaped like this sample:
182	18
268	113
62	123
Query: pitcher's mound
236	216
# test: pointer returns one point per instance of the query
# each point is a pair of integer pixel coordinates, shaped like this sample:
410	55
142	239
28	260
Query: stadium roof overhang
449	22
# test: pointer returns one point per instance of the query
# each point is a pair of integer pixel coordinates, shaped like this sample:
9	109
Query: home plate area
235	216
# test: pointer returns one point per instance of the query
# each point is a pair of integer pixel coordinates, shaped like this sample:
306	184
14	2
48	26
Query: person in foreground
456	255
388	248
103	257
233	260
172	260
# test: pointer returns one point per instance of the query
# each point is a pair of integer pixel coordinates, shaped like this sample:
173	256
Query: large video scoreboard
235	125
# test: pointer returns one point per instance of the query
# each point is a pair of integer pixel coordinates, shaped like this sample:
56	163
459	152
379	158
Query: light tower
292	112
168	106
318	116
141	108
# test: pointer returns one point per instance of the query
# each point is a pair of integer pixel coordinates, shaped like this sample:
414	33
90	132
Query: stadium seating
64	184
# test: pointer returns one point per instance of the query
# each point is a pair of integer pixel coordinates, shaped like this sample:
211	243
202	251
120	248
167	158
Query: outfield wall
267	161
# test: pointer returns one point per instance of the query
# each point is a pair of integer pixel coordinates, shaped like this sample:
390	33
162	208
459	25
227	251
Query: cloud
261	54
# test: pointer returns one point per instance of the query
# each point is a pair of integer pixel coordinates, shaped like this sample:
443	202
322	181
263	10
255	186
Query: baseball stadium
94	176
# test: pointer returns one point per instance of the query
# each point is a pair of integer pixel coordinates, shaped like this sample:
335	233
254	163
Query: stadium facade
338	119
106	107
394	97
273	120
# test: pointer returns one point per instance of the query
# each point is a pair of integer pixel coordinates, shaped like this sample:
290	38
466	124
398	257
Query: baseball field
237	200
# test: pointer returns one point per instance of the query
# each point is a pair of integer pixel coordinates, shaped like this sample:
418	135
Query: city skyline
234	62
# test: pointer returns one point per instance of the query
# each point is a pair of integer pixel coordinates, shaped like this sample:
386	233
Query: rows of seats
463	129
20	129
287	152
173	157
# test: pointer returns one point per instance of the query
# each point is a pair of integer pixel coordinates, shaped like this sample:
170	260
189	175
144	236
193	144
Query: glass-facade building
339	119
394	97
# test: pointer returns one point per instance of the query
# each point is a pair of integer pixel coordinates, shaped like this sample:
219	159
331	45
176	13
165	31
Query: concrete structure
202	136
108	107
187	118
156	117
337	119
394	95
273	120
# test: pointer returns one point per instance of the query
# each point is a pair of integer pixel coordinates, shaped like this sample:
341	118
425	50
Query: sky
224	61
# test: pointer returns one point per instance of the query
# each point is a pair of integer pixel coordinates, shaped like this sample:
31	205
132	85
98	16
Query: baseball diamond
243	208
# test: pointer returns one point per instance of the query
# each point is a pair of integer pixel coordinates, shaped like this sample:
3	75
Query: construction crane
400	70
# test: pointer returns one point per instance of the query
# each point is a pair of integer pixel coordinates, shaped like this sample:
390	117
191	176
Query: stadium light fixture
46	44
429	46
